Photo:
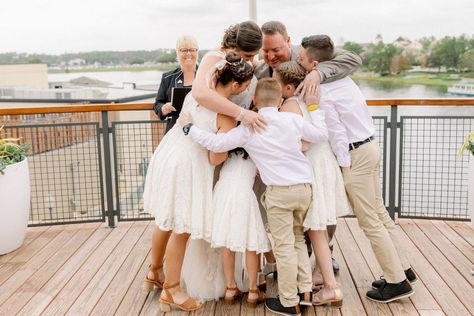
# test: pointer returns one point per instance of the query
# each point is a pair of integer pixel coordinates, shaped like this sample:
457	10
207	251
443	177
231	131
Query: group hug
264	157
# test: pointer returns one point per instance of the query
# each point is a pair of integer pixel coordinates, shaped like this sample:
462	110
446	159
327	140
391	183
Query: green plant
467	145
11	152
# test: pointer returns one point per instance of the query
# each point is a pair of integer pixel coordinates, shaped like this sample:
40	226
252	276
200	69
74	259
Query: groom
287	173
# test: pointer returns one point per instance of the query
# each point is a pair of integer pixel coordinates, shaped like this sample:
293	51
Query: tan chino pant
363	189
286	208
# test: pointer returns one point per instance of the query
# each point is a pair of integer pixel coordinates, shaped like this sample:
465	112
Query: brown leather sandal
252	303
150	285
336	301
188	306
230	299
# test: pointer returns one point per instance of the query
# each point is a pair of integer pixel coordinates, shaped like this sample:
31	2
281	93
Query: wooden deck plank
47	276
134	299
400	307
458	284
352	305
48	292
360	271
457	259
460	243
26	270
31	235
69	293
86	302
427	274
34	284
25	254
464	230
112	296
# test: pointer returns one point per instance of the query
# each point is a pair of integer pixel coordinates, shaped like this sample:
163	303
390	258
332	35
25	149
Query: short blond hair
291	73
186	39
268	92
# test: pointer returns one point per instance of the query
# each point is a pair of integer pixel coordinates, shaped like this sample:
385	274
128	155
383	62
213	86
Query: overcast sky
59	26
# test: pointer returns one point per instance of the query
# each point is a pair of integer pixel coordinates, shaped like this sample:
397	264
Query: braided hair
235	69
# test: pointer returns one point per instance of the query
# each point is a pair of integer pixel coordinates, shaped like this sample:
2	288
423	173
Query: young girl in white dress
329	195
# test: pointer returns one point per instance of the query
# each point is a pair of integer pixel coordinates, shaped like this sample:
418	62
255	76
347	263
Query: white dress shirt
277	151
347	117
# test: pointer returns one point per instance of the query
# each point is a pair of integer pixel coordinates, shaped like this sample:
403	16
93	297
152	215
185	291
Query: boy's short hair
318	47
268	92
291	73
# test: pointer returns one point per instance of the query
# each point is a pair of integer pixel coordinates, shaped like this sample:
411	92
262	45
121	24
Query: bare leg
159	240
228	263
252	268
323	257
174	262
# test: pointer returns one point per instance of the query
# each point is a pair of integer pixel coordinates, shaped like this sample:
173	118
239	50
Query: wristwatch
186	128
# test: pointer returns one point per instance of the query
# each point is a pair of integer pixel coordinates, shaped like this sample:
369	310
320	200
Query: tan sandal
231	299
336	301
149	285
253	302
188	306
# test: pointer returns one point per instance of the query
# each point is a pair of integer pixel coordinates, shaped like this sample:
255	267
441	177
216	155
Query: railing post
393	160
108	169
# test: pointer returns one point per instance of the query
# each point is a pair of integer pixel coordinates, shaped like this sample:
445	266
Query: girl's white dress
329	194
178	185
237	223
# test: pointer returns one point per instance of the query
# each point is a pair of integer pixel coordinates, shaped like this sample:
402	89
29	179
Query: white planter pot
470	189
14	206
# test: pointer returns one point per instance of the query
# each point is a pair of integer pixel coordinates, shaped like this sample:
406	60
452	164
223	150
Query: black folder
177	99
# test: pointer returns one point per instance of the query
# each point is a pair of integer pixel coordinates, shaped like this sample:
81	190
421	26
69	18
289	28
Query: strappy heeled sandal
231	299
253	302
336	301
188	306
149	284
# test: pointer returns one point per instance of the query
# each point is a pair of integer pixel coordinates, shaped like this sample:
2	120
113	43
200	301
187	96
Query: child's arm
224	124
316	131
236	137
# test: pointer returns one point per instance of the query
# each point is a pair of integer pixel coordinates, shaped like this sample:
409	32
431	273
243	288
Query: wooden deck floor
94	270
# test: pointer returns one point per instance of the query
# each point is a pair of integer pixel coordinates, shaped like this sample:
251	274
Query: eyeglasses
187	50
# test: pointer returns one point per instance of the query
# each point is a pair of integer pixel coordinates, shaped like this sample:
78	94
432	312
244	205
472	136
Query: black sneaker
306	299
273	304
335	266
409	273
390	292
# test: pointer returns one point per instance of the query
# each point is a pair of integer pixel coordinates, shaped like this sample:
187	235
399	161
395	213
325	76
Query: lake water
151	79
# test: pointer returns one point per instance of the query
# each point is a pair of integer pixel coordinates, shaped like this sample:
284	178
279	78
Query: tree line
449	53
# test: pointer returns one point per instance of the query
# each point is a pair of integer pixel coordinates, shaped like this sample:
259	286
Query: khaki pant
363	189
286	208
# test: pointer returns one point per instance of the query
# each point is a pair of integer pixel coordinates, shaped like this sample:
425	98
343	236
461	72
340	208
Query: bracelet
241	115
313	107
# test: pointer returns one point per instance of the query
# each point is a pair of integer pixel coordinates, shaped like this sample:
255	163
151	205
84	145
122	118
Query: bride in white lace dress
178	189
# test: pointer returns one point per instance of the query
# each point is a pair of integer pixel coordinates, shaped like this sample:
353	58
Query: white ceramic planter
470	189
14	206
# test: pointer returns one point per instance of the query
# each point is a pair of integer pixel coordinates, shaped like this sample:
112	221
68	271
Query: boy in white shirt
287	173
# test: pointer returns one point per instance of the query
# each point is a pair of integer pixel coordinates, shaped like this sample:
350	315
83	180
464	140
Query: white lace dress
178	185
329	194
237	223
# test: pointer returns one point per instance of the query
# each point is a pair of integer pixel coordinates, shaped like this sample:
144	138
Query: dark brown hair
245	36
235	69
291	73
318	47
273	27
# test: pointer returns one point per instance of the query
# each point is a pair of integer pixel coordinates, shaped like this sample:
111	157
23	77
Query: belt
357	144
